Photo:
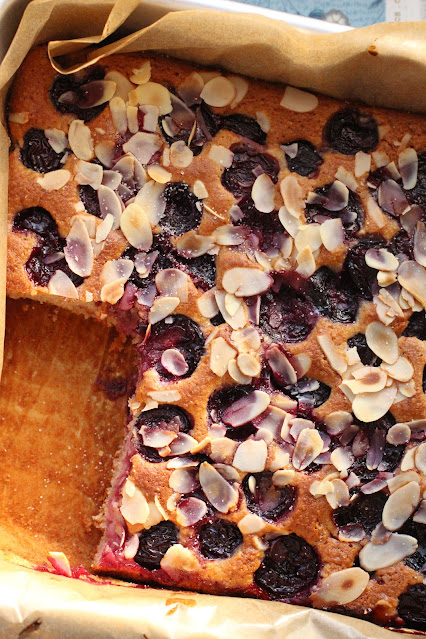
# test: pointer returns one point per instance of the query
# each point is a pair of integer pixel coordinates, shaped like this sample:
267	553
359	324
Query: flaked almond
232	304
218	491
60	563
190	88
221	353
251	456
191	244
183	480
375	212
382	341
337	421
368	379
80	140
134	506
122	84
408	167
109	204
420	458
236	321
386	278
391	198
343	586
165	396
331	233
283	477
308	446
135	227
289	222
280	366
339	496
158	173
375	556
362	163
143	146
398	434
20	117
402	370
151	201
228	235
221	155
152	94
368	407
246	409
332	353
380	159
218	92
114	275
412	277
174	362
381	259
245	282
420	515
262	193
249	364
342	458
78	250
308	235
142	74
182	444
103	229
263	121
57	139
246	339
292	195
222	449
400	506
241	86
251	524
181	155
200	190
347	178
207	304
403	478
54	180
236	374
190	511
105	151
178	560
60	284
420	243
89	173
171	282
298	100
305	262
162	307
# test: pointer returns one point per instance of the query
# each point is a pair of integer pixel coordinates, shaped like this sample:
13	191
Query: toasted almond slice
263	121
420	515
80	140
381	259
118	114
109	203
362	163
289	221
250	456
190	511
398	434
408	167
172	282
262	193
251	524
246	339
373	556
420	458
89	173
181	155
136	227
420	243
104	151
221	155
400	506
241	87
122	84
246	409
380	158
54	180
191	244
218	92
190	88
308	446
245	282
292	195
78	250
332	235
308	235
20	117
391	198
283	477
342	458
217	490
343	586
368	407
200	190
151	201
152	94
375	212
143	146
207	304
134	506
183	480
402	370
299	101
162	307
142	74
158	173
368	379
236	374
165	396
412	277
337	421
338	497
280	365
182	444
249	365
347	178
174	362
332	353
228	235
221	353
178	560
57	139
103	229
60	284
382	341
386	278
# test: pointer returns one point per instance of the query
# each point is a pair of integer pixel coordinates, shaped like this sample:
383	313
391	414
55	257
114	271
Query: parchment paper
383	65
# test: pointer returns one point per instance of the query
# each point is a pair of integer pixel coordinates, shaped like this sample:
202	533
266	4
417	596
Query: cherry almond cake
264	249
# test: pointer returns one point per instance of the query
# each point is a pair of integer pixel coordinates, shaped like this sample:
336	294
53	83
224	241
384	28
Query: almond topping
246	339
174	362
162	307
375	556
158	173
134	506
57	139
192	245
151	201
60	284
289	222
104	151
332	234
109	203
336	199
333	355
143	146
166	397
207	304
420	515
136	227
362	163
283	477
246	409
78	250
292	195
339	495
402	370
408	167
338	421
391	198
368	407
21	117
152	94
420	458
190	511
420	243
114	275
143	74
200	190
241	87
245	282
89	173
183	480
236	374
221	155
180	155
122	84
280	365
398	434
368	379
251	456
218	92
262	193
249	364
54	180
381	260
400	506
172	283
228	235
412	277
251	524
220	494
382	341
80	140
343	586
299	101
221	353
308	446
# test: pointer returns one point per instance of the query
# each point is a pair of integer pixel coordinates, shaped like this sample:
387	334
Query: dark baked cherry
352	215
70	93
416	326
307	160
247	164
243	125
362	275
287	316
309	392
416	561
183	210
154	543
365	510
412	606
366	355
424	380
176	331
217	320
38	266
89	197
220	400
290	566
37	154
417	195
162	261
334	295
219	539
174	417
265	230
268	501
401	245
202	270
349	131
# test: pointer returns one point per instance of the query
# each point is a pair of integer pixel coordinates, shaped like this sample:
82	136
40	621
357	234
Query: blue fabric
356	13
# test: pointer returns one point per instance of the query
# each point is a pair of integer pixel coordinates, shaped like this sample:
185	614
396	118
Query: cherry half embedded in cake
263	250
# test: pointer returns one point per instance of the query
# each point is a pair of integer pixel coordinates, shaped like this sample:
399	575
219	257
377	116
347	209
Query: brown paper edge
56	606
